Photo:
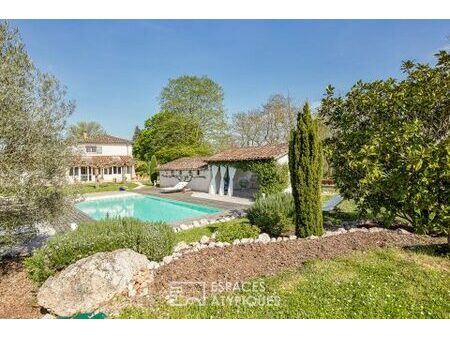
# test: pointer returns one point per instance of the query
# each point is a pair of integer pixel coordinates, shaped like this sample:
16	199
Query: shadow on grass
437	250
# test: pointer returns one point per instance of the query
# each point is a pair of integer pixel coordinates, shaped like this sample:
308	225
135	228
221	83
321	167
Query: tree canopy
390	146
169	136
200	99
85	128
34	152
270	124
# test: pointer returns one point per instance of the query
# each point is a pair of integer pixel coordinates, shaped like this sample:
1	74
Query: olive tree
33	150
390	145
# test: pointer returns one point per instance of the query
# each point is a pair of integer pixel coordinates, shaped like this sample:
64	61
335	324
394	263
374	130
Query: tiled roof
184	163
250	153
105	139
103	161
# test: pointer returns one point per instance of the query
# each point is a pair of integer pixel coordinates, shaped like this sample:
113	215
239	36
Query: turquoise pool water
145	208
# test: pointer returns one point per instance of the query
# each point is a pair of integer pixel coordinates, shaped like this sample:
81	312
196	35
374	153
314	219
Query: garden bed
239	263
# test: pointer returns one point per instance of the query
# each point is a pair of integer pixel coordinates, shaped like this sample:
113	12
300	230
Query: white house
104	158
217	175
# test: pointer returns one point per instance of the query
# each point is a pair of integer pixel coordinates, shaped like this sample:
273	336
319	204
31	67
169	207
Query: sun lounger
178	187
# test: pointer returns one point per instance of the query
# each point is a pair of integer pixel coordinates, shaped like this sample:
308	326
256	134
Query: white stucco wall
283	159
200	182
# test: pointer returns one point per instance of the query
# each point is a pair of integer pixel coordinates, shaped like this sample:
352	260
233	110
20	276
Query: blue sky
115	69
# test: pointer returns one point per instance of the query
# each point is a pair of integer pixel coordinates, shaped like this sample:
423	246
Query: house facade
103	158
217	175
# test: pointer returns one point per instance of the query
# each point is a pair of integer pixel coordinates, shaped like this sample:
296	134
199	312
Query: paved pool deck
189	198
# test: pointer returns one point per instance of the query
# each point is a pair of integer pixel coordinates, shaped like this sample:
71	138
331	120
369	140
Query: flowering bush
154	240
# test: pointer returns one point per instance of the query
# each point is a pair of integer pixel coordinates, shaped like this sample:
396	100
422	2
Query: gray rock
402	231
204	221
273	240
204	239
87	284
292	237
181	246
196	224
219	244
48	316
279	239
184	227
376	229
153	265
167	259
264	238
312	237
236	242
358	230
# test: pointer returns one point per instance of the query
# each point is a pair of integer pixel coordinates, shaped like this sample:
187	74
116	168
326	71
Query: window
198	172
114	170
119	170
91	149
71	172
76	171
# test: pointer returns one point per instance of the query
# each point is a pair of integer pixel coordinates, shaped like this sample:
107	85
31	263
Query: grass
194	235
384	283
87	188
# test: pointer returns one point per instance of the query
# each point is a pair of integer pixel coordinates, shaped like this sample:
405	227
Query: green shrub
273	214
154	240
237	229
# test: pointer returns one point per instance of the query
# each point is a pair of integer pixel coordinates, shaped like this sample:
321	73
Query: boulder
264	238
90	282
181	246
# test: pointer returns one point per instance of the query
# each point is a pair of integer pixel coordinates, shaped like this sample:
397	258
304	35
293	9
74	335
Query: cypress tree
152	168
305	165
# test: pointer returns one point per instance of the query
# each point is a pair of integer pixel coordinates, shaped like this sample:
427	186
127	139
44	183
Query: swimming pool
145	208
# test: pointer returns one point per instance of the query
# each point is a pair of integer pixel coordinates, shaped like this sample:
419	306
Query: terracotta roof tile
250	153
184	163
103	161
105	139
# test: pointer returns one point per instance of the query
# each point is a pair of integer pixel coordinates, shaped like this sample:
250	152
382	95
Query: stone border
139	284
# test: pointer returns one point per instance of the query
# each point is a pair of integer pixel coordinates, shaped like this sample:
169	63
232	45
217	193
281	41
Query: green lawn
385	283
87	188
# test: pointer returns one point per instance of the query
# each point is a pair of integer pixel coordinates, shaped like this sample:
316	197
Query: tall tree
34	153
269	124
83	129
198	98
137	130
305	164
169	136
390	146
152	167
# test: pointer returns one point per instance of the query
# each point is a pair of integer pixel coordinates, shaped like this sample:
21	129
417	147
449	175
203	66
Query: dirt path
240	263
17	292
